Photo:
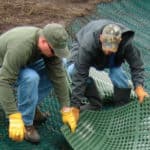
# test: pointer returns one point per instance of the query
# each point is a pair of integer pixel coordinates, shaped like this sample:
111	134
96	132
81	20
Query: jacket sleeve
58	76
80	76
134	59
14	59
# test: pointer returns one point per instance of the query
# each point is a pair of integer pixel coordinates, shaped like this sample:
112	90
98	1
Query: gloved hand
70	116
16	127
141	94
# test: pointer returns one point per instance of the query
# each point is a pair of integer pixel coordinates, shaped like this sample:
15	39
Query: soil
40	12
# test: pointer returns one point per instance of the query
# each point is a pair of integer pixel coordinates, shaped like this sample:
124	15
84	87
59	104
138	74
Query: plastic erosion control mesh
121	128
127	127
51	137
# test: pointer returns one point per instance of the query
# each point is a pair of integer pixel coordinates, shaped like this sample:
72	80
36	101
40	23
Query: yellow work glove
71	117
16	127
141	94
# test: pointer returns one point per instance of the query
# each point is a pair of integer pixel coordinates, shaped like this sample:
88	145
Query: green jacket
18	48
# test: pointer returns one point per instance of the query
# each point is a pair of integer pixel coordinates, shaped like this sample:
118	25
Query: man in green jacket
22	50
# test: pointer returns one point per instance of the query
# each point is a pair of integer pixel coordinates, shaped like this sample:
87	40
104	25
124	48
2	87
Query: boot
31	134
90	106
40	117
92	95
121	96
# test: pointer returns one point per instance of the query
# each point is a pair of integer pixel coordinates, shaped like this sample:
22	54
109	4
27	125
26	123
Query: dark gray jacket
87	52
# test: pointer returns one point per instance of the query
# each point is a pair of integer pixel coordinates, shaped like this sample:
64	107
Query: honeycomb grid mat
104	85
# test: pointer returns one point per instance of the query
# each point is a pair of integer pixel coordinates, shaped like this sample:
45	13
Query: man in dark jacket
27	55
104	44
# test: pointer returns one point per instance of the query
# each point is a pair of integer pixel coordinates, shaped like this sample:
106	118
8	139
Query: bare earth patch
40	12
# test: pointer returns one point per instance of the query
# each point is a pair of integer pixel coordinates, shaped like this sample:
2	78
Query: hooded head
111	37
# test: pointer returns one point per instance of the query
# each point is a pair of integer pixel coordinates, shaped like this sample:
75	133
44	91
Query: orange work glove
16	127
70	116
141	94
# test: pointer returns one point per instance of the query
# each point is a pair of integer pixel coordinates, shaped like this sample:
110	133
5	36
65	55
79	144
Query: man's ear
101	37
42	40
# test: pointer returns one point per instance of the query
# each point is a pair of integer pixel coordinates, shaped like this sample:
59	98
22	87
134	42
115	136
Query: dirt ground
40	12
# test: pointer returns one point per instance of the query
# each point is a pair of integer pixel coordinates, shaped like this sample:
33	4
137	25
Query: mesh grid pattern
51	136
124	128
127	127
